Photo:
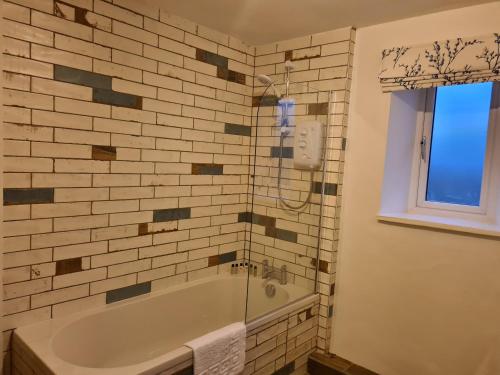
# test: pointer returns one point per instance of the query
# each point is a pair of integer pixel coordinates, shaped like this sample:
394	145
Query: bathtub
145	334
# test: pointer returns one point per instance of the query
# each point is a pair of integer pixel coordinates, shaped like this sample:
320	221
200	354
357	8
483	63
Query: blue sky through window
458	147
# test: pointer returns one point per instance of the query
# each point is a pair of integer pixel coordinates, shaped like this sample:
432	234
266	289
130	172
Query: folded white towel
220	352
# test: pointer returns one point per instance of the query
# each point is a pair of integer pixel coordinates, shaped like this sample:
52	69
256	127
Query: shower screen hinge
423	147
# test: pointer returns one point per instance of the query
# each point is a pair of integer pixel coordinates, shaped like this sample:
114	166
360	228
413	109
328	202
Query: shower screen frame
252	175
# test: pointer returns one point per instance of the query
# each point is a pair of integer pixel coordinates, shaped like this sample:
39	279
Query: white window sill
442	223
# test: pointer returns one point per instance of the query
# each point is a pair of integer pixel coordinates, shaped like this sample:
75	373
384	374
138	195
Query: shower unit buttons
307	145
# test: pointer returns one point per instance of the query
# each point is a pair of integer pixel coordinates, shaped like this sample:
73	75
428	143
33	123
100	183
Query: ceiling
264	21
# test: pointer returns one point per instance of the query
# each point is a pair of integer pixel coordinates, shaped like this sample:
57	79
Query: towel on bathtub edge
221	352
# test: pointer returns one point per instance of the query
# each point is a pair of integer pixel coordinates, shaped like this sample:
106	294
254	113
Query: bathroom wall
128	140
409	300
323	62
127	134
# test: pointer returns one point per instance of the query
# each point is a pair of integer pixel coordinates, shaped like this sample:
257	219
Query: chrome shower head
268	81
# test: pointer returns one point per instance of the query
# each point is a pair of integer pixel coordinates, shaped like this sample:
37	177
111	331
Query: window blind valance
448	62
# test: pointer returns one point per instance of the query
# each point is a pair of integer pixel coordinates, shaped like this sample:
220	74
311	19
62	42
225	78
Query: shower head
265	80
268	81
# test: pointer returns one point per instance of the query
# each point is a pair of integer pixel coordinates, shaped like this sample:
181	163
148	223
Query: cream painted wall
410	301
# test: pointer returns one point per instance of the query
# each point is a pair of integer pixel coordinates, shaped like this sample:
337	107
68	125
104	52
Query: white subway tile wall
128	151
127	141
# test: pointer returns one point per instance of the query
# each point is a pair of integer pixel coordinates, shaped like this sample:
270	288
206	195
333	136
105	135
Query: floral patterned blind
448	62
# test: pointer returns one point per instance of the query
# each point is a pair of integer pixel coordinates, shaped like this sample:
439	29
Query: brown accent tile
143	229
81	17
231	75
288	55
264	101
236	77
211	58
207	169
222	72
332	289
305	57
323	266
68	266
213	260
103	152
317	109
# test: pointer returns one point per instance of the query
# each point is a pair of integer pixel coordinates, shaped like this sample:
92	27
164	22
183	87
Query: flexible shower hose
282	200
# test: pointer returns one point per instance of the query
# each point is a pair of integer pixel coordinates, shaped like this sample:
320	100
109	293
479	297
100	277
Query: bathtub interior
157	325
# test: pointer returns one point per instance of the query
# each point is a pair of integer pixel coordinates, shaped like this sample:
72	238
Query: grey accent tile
248	217
207	169
237	129
128	292
28	196
245	217
330	188
330	311
215	260
81	77
287	152
115	98
171	214
281	234
266	221
227	257
211	58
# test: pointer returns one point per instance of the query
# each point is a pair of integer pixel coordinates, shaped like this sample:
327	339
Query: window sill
442	223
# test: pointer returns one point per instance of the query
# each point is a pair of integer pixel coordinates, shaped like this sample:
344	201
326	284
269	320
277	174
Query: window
456	148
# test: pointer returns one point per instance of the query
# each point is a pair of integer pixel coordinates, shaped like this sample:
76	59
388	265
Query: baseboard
330	364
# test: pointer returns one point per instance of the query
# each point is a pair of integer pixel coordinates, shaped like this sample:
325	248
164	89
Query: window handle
423	144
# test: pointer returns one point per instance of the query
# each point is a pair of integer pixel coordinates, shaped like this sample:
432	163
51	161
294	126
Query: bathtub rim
49	329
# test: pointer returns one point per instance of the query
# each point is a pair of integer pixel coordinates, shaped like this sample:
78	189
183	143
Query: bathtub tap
270	272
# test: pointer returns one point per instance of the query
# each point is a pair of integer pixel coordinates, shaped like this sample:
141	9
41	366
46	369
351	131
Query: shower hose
282	200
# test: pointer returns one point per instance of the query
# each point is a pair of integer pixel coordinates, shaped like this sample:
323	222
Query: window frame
418	189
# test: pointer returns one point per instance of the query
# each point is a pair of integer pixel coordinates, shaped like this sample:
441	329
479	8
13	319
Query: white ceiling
264	21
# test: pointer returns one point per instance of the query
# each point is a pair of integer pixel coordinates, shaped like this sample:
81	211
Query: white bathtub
145	334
